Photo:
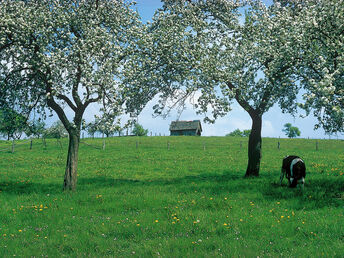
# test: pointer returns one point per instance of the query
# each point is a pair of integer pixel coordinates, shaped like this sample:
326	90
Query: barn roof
185	125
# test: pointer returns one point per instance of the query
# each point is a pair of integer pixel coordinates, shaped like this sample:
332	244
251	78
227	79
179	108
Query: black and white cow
295	169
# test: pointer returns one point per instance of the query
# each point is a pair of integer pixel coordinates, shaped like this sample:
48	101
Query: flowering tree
209	47
56	130
322	64
66	55
106	124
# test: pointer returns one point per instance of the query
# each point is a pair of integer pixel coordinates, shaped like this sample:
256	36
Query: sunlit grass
188	200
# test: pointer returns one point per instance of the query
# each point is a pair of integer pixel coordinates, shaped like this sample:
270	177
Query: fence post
59	143
168	145
31	144
103	144
204	146
278	145
13	146
44	143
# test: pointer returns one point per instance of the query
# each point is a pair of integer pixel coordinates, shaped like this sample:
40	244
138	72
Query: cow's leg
302	183
282	175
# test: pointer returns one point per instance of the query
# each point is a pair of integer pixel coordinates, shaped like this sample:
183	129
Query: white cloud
268	129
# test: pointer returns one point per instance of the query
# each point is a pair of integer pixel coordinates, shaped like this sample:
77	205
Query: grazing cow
295	169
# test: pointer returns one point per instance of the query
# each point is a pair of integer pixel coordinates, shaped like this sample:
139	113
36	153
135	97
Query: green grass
183	202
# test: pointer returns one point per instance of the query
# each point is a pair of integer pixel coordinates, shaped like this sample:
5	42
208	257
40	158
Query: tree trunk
72	162
254	146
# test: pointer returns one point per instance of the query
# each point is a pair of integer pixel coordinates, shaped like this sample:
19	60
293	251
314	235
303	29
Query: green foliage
246	133
35	128
91	129
138	130
56	130
181	202
12	124
291	131
237	132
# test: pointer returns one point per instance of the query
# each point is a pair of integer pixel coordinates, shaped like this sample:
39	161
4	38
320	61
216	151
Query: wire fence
24	145
163	143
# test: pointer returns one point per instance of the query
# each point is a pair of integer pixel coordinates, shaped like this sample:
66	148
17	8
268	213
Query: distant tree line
237	132
109	128
13	126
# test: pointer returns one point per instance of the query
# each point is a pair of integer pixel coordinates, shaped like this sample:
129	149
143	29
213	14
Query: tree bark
72	161
254	146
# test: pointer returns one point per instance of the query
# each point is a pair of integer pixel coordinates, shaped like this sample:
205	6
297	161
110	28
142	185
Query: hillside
170	196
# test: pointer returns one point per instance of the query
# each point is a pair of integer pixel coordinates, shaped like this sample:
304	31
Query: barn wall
184	132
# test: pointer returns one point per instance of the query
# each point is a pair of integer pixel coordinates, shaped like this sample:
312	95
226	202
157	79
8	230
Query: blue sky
273	120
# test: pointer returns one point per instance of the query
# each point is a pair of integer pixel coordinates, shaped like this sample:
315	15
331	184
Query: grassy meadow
170	197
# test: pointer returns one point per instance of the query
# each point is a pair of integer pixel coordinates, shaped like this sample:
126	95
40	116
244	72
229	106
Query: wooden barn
186	128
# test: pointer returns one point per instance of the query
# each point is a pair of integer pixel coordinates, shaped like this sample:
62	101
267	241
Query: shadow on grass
207	184
29	188
187	183
318	193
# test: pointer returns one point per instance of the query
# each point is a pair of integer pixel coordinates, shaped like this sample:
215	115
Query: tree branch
243	103
92	100
10	37
265	99
68	101
59	111
75	94
5	46
31	108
